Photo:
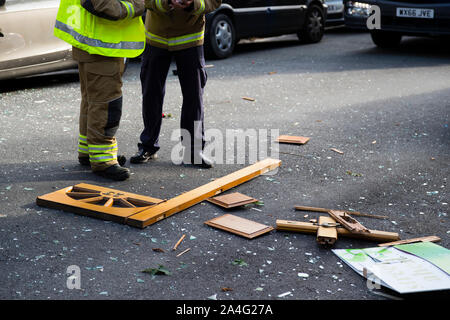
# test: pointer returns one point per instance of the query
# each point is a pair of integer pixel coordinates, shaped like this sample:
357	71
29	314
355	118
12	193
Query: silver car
27	43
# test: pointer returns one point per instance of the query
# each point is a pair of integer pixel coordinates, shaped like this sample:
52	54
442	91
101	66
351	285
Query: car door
251	17
287	15
27	34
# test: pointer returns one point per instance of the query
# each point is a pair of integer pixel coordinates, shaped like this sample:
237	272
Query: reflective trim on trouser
103	157
102	153
82	144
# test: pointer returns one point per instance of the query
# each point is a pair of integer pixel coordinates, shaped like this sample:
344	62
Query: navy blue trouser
192	76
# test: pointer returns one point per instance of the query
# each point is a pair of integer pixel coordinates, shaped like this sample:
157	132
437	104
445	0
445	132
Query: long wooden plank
190	198
307	227
352	213
414	240
326	235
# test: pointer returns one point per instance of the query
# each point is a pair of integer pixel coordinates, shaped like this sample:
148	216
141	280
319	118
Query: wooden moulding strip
352	213
414	240
326	235
307	227
190	198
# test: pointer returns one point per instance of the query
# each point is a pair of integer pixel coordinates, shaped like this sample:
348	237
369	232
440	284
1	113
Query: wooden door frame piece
216	223
218	200
413	240
326	235
311	228
348	222
190	198
97	202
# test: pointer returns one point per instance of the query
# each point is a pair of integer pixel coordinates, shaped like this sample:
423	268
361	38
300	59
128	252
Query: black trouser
192	76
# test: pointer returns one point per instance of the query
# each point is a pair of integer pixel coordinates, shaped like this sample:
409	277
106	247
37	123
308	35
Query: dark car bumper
439	25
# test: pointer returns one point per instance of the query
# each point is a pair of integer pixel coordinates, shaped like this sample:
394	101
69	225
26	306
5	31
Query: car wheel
221	37
384	39
314	27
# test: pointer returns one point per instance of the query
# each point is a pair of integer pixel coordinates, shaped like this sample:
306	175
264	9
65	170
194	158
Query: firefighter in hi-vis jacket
102	33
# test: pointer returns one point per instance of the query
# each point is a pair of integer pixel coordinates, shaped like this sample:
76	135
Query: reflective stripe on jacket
96	35
174	29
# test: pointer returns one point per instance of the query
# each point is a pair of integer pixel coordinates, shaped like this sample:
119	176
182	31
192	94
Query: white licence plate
335	8
415	13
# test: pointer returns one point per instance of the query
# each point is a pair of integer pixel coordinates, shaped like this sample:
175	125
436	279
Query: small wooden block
292	139
240	226
326	235
232	200
414	240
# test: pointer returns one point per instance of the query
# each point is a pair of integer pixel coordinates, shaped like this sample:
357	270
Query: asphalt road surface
386	110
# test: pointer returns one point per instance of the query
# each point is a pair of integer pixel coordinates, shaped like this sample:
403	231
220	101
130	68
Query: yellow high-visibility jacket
109	28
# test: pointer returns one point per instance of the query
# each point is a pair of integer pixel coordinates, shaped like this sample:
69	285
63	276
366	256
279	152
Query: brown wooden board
190	198
414	240
232	200
311	228
97	202
240	226
326	235
292	139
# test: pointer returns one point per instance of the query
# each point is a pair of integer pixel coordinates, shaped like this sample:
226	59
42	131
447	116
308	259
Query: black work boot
143	156
114	172
84	161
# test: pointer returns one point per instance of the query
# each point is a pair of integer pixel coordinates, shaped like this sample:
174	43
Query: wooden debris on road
352	213
292	139
414	240
232	200
240	226
178	242
349	223
311	228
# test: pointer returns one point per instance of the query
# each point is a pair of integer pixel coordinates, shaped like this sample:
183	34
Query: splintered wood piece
336	150
97	202
178	242
292	139
183	252
240	226
352	213
232	200
326	235
311	228
421	239
349	223
248	98
190	198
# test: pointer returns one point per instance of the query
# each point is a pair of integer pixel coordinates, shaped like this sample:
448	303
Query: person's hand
181	4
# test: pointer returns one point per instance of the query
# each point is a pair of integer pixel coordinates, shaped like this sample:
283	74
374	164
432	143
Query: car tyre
220	38
314	27
384	39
